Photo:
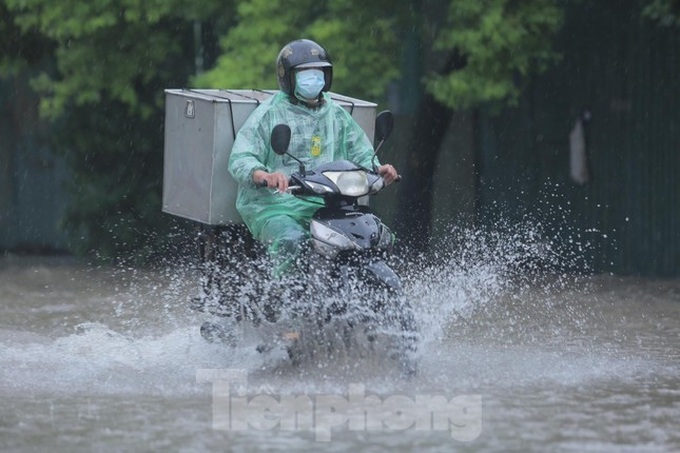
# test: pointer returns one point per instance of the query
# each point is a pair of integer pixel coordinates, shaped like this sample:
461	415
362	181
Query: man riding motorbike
322	132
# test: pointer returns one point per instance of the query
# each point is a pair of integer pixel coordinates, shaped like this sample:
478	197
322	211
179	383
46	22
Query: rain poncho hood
318	136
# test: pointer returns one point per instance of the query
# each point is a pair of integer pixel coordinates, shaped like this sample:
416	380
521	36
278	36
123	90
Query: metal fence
32	198
618	68
621	73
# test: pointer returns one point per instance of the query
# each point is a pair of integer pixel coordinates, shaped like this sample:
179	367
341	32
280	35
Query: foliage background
99	68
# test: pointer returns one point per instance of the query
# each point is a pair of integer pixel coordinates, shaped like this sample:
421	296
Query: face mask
309	83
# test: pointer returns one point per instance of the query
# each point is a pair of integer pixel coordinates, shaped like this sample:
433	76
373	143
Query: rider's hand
276	180
388	172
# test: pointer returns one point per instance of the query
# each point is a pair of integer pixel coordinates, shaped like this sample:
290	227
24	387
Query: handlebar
293	187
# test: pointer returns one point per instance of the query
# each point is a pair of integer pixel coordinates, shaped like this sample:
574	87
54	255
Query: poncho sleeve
358	147
251	148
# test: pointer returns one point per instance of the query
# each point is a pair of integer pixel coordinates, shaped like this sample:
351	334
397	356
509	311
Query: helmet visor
314	64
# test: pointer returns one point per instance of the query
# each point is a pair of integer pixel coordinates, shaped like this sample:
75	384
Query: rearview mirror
280	139
384	123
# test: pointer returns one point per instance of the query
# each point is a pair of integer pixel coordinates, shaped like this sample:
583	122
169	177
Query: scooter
349	281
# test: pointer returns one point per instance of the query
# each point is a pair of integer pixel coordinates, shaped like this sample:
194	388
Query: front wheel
393	312
401	318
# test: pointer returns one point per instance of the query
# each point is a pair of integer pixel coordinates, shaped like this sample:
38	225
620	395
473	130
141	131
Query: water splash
82	349
476	272
482	289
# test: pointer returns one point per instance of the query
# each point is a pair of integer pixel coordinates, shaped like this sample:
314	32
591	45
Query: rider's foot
216	333
408	367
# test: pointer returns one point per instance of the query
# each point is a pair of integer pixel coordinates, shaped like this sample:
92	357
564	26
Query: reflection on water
104	358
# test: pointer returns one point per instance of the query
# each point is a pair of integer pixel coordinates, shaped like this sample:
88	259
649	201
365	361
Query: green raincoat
318	136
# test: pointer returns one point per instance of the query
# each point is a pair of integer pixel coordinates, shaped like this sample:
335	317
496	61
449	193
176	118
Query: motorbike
349	281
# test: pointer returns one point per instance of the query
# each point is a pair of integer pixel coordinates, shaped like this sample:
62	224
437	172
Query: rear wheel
392	312
229	283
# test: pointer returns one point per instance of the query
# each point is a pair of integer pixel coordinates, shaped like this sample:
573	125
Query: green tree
19	50
665	12
113	59
463	54
503	42
363	37
484	52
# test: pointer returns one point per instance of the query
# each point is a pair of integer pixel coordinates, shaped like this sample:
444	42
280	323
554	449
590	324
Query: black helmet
302	53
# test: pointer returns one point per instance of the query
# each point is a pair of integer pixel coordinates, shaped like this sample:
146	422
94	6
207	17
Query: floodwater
97	358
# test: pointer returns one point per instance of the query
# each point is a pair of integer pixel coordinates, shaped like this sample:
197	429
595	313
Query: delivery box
200	128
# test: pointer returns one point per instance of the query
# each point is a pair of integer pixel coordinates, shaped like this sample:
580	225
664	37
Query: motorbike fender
383	275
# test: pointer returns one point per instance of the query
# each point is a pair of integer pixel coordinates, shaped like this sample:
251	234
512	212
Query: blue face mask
309	83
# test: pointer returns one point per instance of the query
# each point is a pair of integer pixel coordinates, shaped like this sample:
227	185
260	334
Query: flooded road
96	358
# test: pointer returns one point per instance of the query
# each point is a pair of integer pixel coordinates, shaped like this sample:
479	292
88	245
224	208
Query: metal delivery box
200	128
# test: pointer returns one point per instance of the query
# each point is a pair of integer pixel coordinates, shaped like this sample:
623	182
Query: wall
624	71
32	198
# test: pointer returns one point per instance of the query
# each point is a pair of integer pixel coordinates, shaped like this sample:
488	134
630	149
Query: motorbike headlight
329	236
350	183
376	183
318	188
386	238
